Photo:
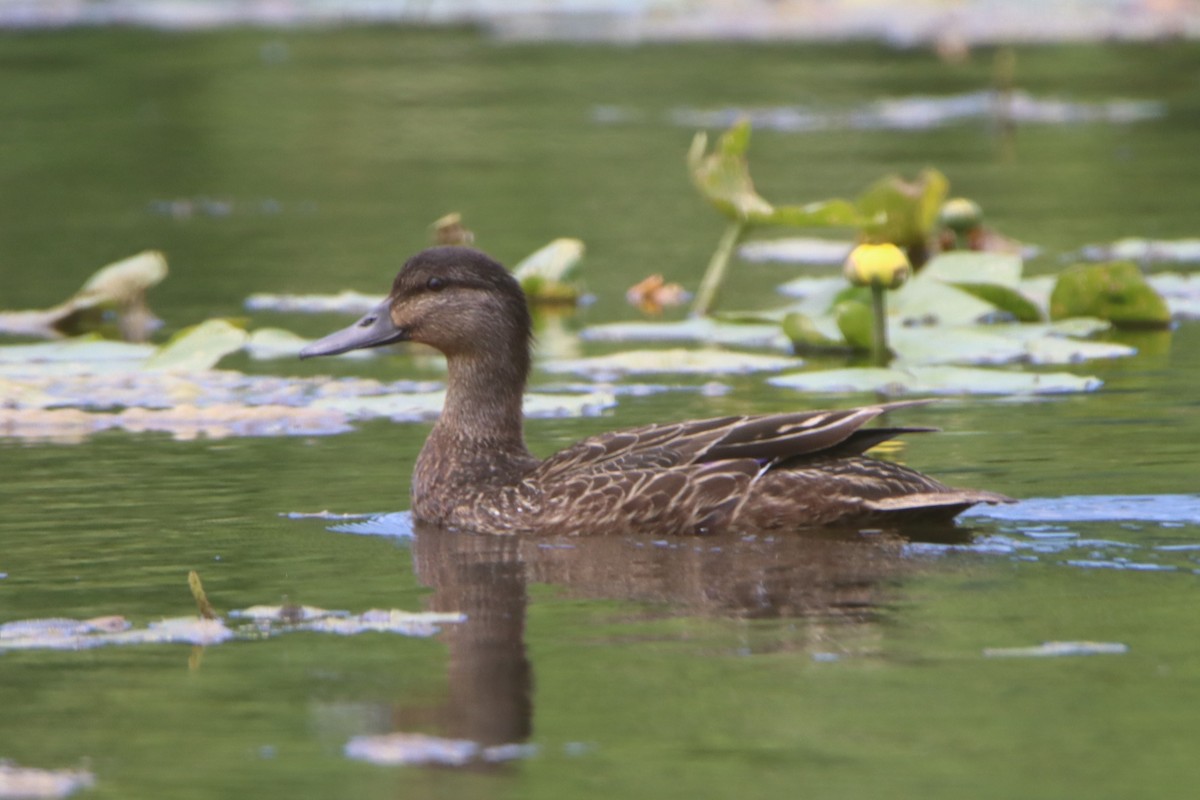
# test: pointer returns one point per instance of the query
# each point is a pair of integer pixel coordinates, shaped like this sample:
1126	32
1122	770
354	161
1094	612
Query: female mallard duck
752	474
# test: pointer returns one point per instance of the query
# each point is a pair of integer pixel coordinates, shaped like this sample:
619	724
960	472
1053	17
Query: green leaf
723	178
807	333
1004	298
856	322
827	214
198	348
904	212
969	267
553	262
1116	292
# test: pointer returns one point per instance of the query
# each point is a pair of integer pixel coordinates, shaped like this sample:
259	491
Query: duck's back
757	473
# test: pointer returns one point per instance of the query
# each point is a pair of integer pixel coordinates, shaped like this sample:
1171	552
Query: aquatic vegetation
921	112
652	294
543	274
67	391
209	628
905	213
419	748
676	360
30	783
896	381
1055	649
1144	251
1113	291
723	178
878	267
114	297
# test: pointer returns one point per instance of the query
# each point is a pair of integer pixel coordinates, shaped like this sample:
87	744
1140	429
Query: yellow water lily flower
883	265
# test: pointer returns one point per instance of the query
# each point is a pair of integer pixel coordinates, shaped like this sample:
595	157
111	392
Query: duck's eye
435	284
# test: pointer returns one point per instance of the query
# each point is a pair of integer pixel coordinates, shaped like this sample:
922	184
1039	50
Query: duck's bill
374	329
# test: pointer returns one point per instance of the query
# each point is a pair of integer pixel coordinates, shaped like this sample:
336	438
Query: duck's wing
764	439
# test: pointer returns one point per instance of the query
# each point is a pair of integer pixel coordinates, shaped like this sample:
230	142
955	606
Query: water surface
844	665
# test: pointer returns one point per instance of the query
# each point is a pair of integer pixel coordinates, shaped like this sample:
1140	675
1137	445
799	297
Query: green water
635	670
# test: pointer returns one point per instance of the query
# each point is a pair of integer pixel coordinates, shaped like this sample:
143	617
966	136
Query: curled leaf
1116	292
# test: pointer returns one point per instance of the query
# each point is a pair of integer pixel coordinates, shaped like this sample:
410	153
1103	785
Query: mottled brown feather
750	473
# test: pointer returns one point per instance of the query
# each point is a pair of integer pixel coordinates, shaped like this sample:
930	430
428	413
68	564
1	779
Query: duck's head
455	299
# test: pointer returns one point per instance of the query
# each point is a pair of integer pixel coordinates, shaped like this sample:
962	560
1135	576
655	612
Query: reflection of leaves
1116	292
723	178
905	212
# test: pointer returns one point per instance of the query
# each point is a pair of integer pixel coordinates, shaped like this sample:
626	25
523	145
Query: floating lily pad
1181	292
698	330
28	783
260	622
1145	251
417	407
797	250
1055	649
419	748
1116	292
199	347
919	112
687	362
344	302
935	380
998	344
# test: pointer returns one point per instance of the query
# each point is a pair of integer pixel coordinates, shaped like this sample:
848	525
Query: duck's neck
483	401
478	440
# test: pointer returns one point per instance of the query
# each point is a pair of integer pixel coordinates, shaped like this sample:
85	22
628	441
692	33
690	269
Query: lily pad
199	347
419	748
426	406
1181	292
1145	251
998	344
28	783
1116	292
935	380
59	634
797	250
1053	649
698	330
344	302
687	362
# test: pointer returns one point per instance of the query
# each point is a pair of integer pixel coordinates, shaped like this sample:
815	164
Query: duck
752	474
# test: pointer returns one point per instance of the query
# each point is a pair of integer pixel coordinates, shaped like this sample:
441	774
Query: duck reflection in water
832	580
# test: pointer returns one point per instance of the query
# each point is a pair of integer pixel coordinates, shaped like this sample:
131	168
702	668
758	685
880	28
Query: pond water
838	665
